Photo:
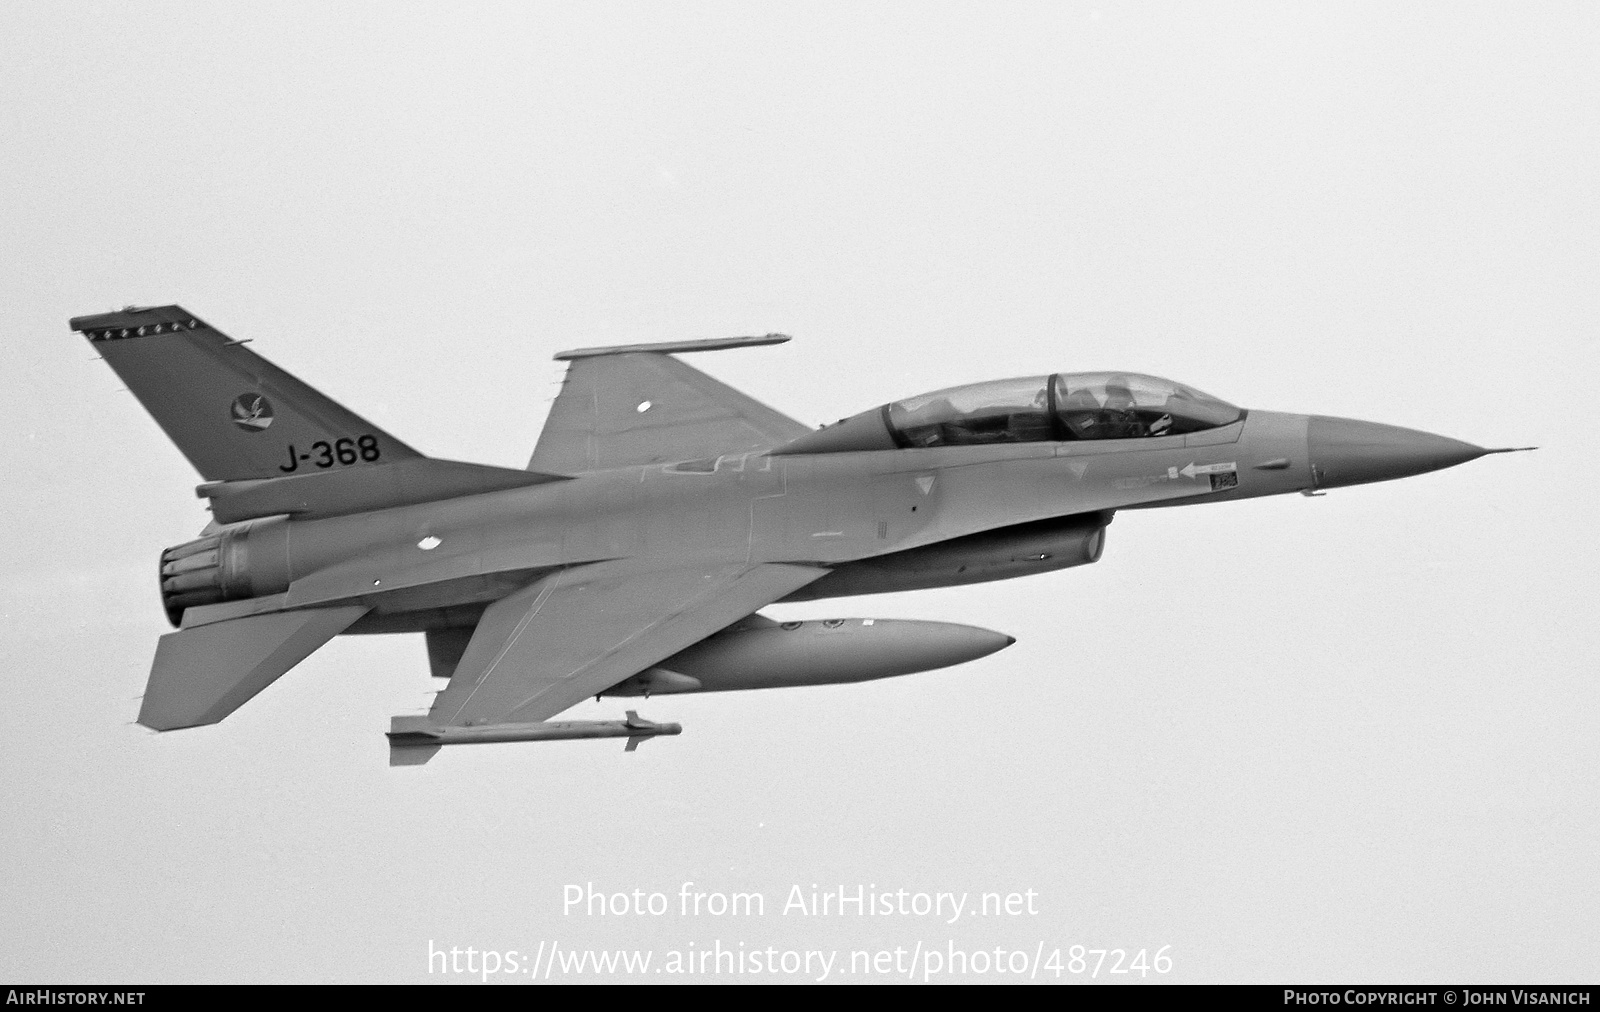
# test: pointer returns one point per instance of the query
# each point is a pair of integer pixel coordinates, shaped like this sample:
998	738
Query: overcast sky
1342	738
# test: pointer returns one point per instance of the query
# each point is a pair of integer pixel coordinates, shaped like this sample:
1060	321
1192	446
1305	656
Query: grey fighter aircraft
660	512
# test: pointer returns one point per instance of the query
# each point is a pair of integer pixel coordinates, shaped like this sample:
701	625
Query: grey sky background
1343	738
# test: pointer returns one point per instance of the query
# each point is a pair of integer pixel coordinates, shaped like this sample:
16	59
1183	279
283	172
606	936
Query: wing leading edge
578	632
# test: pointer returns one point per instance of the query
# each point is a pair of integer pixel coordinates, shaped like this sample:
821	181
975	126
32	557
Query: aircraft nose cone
1345	451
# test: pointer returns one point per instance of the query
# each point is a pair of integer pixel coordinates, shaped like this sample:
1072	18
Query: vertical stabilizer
203	674
232	413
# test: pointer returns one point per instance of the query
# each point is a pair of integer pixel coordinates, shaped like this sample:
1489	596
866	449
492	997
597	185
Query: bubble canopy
1064	406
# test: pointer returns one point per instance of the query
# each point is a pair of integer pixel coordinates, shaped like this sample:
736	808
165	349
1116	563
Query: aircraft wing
580	631
639	405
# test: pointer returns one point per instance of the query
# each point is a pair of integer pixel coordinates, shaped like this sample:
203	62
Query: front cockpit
1059	407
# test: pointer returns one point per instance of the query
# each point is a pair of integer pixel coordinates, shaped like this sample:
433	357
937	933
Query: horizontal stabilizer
203	674
343	491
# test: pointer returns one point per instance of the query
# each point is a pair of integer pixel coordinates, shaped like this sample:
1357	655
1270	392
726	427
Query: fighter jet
661	510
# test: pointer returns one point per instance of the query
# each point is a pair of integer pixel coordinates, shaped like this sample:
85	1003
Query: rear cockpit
1061	407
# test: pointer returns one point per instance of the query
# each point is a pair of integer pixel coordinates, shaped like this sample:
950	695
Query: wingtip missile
674	347
414	740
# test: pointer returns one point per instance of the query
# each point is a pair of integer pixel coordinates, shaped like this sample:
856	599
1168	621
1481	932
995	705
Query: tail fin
232	413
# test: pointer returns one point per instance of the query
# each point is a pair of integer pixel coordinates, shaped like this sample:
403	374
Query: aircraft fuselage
986	507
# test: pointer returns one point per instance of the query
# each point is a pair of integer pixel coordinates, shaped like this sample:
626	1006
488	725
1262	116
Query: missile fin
407	754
